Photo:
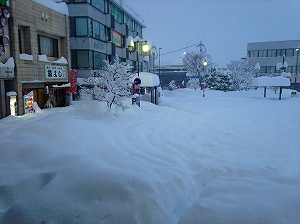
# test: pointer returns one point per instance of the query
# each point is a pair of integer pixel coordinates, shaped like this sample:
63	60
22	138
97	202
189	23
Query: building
167	73
39	47
99	30
269	54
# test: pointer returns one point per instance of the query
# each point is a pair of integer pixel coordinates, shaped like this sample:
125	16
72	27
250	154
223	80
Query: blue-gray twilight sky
224	26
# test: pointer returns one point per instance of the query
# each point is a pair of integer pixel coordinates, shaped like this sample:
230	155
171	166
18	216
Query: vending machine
28	103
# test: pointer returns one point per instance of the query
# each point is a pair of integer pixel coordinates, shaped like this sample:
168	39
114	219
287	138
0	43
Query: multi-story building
269	54
99	30
39	46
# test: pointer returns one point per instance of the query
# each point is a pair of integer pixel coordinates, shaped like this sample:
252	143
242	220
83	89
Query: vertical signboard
73	81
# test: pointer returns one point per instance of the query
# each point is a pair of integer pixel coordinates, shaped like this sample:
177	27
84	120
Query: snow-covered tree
172	85
194	62
112	83
194	83
241	73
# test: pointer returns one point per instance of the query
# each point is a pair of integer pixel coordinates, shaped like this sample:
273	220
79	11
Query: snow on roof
10	63
60	7
148	79
271	81
131	12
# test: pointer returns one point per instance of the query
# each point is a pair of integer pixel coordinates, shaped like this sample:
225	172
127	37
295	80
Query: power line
179	49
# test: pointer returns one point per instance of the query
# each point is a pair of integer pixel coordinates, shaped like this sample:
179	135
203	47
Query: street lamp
297	49
134	44
159	61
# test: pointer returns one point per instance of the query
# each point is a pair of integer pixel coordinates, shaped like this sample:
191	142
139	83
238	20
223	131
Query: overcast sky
224	26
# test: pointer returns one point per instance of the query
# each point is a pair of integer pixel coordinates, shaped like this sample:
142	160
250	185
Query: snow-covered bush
112	83
172	85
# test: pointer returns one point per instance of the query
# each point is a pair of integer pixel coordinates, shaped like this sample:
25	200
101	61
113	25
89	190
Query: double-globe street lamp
141	47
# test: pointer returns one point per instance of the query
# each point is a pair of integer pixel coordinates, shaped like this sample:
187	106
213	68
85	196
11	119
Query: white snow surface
228	157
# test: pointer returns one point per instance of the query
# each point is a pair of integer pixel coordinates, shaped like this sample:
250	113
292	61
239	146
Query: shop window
24	39
99	59
48	46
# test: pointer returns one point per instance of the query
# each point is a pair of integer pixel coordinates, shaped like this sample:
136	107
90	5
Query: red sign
73	81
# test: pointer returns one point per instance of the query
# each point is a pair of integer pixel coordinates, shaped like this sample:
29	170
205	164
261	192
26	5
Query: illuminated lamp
146	47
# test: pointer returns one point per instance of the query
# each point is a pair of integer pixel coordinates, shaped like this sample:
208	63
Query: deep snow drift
226	158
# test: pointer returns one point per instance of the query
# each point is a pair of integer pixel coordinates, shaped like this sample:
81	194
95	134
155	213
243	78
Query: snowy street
230	157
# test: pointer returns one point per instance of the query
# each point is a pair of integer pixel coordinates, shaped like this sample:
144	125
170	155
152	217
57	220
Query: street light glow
146	47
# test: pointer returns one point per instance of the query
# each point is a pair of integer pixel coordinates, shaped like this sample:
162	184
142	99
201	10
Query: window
98	31
81	26
24	39
280	52
99	60
262	53
99	4
272	53
271	69
263	69
48	46
138	29
117	13
79	1
129	22
289	52
84	59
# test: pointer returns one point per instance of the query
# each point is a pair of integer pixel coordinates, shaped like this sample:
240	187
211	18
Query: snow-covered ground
226	158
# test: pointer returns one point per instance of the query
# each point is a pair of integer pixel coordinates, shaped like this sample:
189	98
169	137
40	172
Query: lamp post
134	44
297	49
204	64
159	61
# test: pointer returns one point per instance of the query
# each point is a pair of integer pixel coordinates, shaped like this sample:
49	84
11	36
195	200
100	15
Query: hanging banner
73	81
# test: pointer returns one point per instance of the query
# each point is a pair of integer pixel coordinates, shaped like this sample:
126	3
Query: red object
73	81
